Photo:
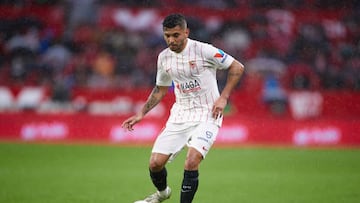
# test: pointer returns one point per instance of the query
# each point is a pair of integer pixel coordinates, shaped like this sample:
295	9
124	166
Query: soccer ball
141	201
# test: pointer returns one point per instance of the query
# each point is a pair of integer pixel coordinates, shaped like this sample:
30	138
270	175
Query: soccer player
196	115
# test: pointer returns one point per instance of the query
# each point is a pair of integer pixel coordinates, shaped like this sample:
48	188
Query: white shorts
175	137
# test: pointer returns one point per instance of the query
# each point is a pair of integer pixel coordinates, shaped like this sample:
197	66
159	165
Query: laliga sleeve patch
220	55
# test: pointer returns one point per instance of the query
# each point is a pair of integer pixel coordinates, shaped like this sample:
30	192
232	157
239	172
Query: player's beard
174	47
177	47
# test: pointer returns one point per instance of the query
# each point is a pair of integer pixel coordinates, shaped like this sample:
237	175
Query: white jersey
193	72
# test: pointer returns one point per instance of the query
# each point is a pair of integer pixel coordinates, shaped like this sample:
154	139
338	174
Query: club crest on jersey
221	55
192	64
190	86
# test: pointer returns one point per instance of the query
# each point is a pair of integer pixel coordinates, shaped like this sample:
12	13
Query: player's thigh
203	137
171	140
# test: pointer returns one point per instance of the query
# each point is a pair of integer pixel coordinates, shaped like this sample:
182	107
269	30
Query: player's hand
129	123
218	108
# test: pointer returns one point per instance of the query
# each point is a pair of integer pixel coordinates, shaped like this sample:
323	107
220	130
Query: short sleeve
162	77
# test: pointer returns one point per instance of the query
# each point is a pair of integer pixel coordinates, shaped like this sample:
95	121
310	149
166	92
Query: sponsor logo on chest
192	64
189	86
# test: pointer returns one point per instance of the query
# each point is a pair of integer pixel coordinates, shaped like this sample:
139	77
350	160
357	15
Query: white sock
164	192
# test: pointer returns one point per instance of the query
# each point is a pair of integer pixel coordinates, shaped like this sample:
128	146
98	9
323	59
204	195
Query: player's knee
192	162
155	166
191	166
156	163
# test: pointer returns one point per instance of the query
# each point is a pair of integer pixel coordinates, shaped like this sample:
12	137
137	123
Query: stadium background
71	71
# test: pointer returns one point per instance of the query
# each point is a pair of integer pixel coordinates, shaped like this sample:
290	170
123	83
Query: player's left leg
191	173
203	137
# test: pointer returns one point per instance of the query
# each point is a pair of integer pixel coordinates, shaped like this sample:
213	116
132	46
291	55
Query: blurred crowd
85	55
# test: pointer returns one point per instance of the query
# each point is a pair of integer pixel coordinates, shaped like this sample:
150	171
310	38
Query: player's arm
156	95
235	72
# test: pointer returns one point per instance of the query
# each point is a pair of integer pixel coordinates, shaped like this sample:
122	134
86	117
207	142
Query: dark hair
174	20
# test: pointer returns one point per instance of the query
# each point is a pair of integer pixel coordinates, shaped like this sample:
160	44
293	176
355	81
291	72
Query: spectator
103	70
300	76
56	57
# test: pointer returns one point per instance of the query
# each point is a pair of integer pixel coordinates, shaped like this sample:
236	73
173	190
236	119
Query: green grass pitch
39	173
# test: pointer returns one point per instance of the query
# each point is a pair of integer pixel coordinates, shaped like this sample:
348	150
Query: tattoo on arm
155	90
153	100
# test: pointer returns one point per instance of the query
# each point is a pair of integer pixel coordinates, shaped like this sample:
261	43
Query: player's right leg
158	171
170	141
158	176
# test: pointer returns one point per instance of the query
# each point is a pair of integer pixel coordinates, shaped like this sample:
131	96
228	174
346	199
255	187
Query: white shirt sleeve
162	77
